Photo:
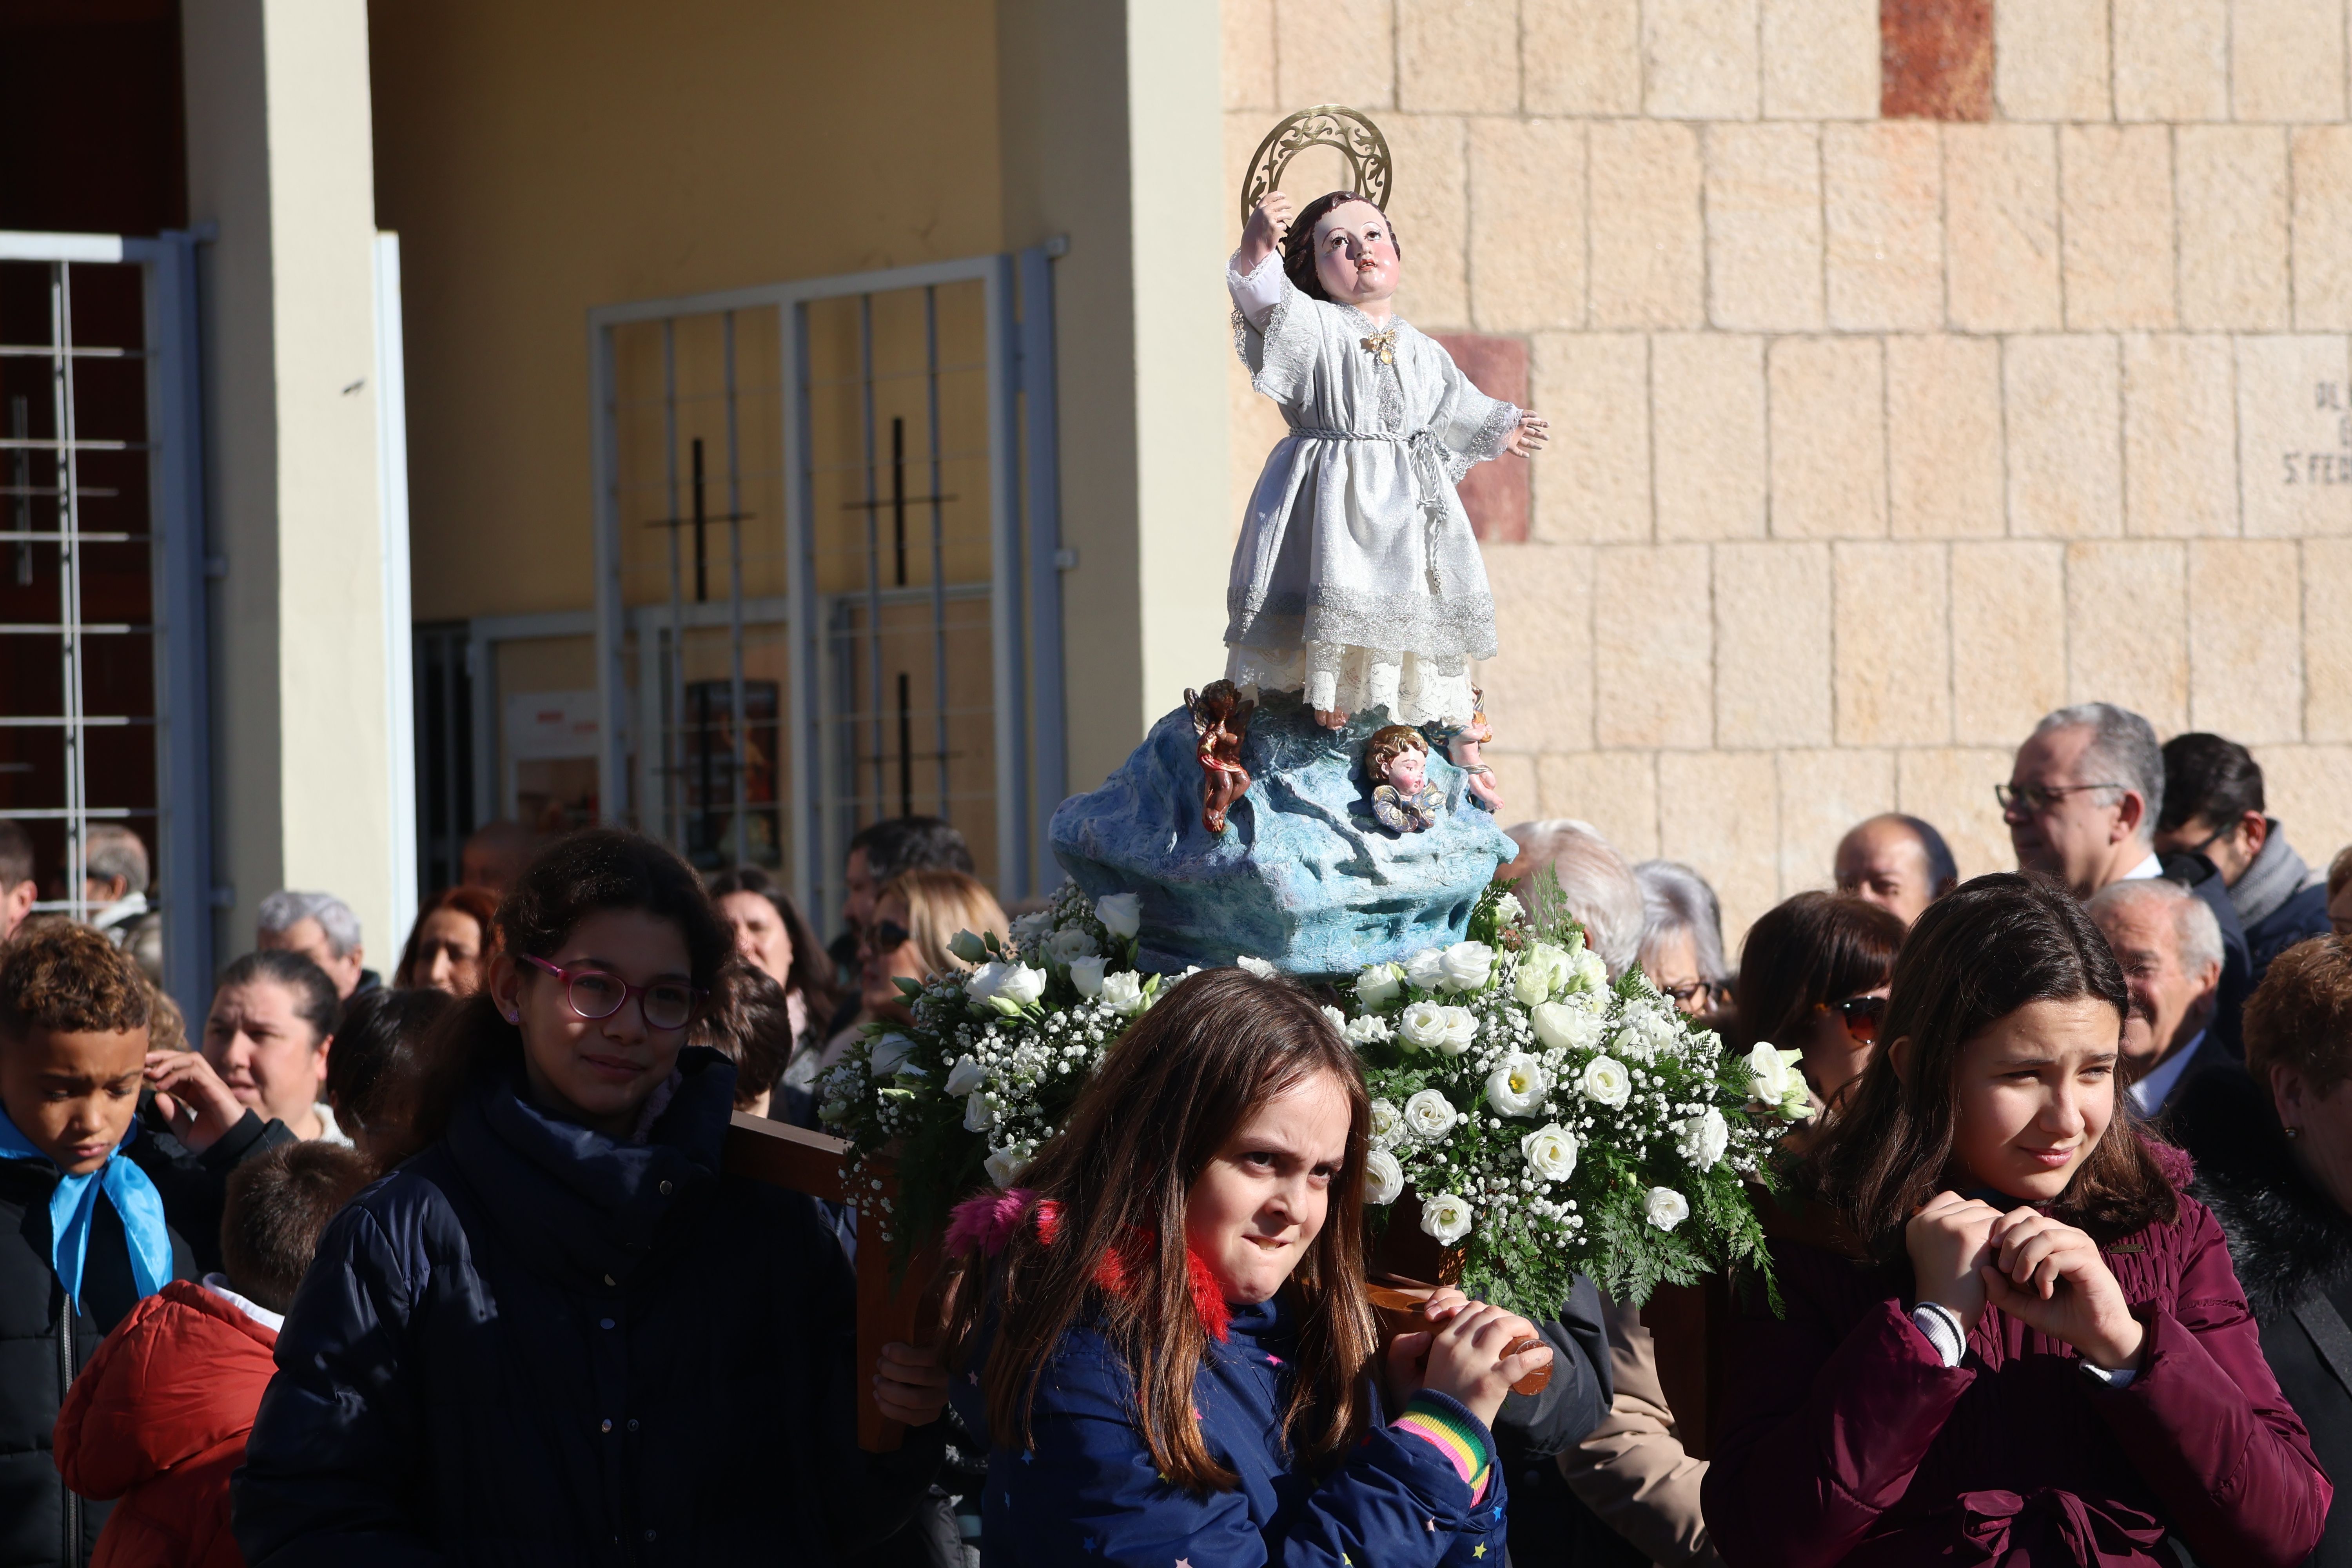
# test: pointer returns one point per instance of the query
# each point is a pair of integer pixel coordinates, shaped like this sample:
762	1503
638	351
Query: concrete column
280	159
1112	134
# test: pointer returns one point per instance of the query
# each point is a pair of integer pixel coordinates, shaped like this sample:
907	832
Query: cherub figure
1404	801
1221	717
1461	751
1357	580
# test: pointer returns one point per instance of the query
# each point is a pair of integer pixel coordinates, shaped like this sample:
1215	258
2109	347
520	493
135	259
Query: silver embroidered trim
1486	443
1334	677
1283	357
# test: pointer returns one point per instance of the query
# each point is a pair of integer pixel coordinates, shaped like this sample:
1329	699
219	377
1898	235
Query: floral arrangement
1547	1123
1551	1123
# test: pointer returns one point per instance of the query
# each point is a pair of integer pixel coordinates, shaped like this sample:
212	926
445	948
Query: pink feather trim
986	1223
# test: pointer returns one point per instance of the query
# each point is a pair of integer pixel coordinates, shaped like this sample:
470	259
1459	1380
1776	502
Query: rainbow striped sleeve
1455	1434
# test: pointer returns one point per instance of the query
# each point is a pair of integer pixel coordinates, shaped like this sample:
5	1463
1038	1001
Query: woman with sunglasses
916	915
560	1332
1813	978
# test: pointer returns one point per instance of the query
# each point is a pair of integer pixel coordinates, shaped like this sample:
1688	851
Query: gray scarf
2277	874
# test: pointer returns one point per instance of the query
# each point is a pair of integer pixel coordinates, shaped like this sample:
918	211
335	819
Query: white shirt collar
2151	866
2156	1086
218	1285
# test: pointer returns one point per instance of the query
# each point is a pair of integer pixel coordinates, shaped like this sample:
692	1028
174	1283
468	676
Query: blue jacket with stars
531	1345
1086	1491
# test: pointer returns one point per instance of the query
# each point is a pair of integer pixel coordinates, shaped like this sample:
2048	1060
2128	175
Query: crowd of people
449	1268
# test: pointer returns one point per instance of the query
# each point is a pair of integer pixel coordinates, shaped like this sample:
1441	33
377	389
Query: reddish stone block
1495	494
1936	59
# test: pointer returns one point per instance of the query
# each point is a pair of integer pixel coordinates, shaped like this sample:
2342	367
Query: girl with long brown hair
2013	1339
1169	1343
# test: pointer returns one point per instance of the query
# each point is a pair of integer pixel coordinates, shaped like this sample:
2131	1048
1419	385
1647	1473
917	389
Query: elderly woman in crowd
450	946
1593	877
1682	937
2273	1150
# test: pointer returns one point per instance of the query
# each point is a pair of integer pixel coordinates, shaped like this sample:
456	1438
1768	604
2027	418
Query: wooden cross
891	1306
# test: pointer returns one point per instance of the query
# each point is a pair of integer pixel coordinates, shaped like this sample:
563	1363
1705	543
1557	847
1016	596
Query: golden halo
1333	125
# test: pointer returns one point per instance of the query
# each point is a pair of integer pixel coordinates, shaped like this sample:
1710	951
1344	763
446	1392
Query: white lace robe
1356	580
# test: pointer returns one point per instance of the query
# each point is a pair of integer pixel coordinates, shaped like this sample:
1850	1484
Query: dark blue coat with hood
531	1344
1086	1491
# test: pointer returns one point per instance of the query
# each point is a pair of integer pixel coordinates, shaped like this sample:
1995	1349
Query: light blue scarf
73	1203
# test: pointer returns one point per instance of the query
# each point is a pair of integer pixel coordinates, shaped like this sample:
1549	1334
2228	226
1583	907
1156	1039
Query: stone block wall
1915	366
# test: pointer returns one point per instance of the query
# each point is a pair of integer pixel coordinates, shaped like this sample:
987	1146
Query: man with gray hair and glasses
2082	804
322	929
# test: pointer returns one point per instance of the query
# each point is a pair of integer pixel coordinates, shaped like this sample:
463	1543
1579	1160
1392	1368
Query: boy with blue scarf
83	1229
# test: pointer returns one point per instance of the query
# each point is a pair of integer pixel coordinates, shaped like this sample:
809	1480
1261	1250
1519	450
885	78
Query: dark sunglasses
1860	1013
890	936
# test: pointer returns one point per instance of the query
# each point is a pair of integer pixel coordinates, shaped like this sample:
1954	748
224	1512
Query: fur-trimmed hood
2285	1235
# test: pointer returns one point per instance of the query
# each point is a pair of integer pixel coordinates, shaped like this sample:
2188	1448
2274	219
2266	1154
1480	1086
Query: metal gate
827	567
102	551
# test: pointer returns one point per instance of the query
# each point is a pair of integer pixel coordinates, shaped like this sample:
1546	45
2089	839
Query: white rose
1562	1027
1072	942
1432	1025
1508	909
1460	1027
1541	969
1121	913
1517	1087
964	1076
1466	965
1124	993
1383	1177
1339	1020
1087	974
1606	1082
968	946
1028	927
1703	1139
1387	1125
1257	966
1630	1045
888	1055
1372	1026
1550	1151
1430	1115
1446	1217
979	1116
1425	969
1591	974
980	986
1379	983
1021	987
1772	1075
1666	1207
1004	1166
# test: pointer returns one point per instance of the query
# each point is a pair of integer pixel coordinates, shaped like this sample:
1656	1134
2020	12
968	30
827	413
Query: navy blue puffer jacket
1086	1492
530	1344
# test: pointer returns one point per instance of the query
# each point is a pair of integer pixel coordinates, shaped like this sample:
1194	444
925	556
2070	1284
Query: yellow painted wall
540	159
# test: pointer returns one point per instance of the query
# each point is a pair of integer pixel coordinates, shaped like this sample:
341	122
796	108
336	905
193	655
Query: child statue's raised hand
1263	236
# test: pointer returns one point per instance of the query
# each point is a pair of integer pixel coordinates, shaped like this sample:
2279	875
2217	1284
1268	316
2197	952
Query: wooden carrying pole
891	1307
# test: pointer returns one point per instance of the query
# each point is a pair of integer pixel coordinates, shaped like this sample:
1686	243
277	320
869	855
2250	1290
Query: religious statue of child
1462	749
1404	801
1357	580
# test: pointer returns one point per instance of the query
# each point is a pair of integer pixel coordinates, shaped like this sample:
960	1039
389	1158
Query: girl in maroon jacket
2011	1339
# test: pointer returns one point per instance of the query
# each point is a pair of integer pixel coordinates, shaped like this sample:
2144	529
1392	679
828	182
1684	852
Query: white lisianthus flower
1430	1115
1387	1125
1446	1217
1542	969
1432	1026
968	946
1605	1082
889	1054
1465	966
1030	927
1379	983
963	1077
1425	969
1004	1166
1257	966
1508	909
1517	1087
1072	942
1087	974
1666	1207
1591	974
1703	1139
1121	913
1339	1020
1562	1027
1550	1151
1124	992
979	1116
1775	1081
1383	1177
1372	1026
